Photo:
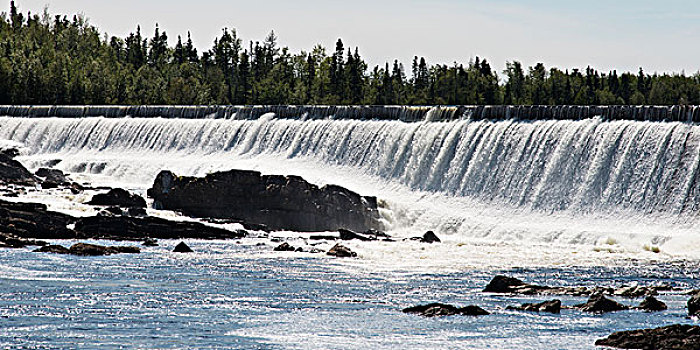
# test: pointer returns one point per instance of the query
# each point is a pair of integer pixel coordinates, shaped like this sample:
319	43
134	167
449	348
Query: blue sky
661	36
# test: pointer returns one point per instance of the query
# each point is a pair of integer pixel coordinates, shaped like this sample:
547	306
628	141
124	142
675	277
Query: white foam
546	192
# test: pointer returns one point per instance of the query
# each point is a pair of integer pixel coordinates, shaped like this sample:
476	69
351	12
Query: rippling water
241	295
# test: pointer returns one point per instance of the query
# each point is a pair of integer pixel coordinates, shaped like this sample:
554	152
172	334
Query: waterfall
586	165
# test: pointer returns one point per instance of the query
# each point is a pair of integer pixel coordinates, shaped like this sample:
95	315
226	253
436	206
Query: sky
661	36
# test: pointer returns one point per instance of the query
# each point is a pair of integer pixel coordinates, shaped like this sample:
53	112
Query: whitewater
575	191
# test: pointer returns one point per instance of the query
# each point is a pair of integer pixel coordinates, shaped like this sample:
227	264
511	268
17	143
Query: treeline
49	59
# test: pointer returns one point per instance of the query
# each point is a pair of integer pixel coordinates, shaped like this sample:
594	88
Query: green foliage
47	59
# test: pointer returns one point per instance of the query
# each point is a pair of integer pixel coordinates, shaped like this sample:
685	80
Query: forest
58	59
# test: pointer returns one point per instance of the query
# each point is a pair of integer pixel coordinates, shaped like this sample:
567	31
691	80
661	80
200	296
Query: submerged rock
56	249
600	304
438	309
694	305
552	306
652	304
86	249
674	337
278	202
284	247
505	284
96	250
341	251
118	197
182	248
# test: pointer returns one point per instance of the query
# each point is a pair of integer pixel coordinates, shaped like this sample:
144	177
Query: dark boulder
430	237
600	304
138	228
284	247
341	251
694	305
504	284
13	172
118	197
33	220
674	337
182	248
278	202
438	309
10	152
552	306
52	178
652	304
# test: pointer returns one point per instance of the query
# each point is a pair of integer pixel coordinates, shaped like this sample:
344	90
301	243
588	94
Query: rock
11	241
284	247
278	202
149	242
52	178
600	304
430	237
33	220
348	235
652	304
76	188
341	251
118	197
182	248
56	249
136	211
86	249
438	309
504	284
9	152
694	305
322	237
13	172
674	337
552	306
138	228
376	233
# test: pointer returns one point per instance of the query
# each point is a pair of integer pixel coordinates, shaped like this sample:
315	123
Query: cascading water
520	171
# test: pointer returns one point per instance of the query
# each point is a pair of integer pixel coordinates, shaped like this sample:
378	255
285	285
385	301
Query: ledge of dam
677	113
